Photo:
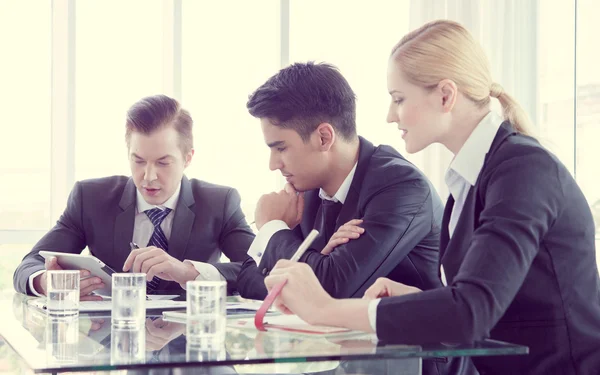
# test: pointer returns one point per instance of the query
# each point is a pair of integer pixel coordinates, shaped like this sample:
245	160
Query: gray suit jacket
100	215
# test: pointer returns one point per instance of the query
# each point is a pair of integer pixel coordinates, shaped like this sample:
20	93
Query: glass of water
62	293
128	300
206	313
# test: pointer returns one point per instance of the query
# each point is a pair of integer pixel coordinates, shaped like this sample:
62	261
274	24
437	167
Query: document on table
293	324
234	310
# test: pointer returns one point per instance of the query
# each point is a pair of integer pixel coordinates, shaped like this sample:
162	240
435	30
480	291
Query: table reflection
62	340
127	345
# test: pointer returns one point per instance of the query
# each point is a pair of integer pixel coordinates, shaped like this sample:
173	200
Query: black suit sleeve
397	215
251	280
66	236
235	238
514	219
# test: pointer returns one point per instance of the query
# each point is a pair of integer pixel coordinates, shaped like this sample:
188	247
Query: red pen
268	302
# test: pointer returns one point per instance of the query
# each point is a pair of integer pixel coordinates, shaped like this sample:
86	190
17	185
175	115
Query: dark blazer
521	267
401	213
100	215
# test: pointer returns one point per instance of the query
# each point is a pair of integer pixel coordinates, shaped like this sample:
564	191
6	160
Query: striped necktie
158	239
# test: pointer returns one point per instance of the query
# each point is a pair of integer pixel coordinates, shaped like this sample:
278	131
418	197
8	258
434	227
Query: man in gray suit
181	225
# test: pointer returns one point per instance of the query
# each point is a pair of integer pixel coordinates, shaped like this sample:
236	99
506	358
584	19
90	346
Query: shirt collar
470	158
142	205
342	193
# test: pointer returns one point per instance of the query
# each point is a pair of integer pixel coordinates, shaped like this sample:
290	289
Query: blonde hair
444	49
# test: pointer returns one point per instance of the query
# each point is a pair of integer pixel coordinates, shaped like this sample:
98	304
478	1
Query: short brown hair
154	112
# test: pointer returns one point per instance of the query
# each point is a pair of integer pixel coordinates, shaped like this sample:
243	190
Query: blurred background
71	69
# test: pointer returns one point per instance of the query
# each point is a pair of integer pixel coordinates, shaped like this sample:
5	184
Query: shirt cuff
373	313
33	276
257	249
206	271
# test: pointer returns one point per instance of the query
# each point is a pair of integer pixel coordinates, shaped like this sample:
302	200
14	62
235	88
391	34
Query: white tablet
96	267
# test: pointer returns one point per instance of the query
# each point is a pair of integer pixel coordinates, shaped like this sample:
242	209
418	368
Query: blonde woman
517	242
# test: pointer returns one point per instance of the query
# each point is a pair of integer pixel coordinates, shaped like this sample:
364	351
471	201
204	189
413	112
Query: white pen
305	245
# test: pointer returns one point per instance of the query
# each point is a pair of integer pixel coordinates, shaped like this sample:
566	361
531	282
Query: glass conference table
246	351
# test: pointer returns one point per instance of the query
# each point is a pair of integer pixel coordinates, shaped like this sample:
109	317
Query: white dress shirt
466	165
460	177
143	227
267	231
142	232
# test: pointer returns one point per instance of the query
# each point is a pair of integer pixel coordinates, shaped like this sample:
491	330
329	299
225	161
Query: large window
587	130
25	102
357	37
119	60
556	77
226	55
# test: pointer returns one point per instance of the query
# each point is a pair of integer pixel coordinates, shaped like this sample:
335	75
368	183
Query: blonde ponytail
511	110
444	49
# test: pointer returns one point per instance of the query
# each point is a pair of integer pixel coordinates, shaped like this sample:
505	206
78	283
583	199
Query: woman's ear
449	93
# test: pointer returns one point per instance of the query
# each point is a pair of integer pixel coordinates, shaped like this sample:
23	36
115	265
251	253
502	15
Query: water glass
62	340
127	345
128	300
62	293
206	313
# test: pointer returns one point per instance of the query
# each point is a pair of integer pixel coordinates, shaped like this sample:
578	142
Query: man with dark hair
377	214
182	225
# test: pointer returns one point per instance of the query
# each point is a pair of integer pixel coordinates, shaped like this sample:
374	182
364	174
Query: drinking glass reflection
209	351
127	345
62	340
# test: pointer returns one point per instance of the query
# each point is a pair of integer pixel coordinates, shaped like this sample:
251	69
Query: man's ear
188	158
326	134
448	93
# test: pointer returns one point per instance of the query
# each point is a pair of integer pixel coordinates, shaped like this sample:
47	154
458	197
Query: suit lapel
312	201
458	244
504	132
445	235
467	221
124	226
183	221
365	152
